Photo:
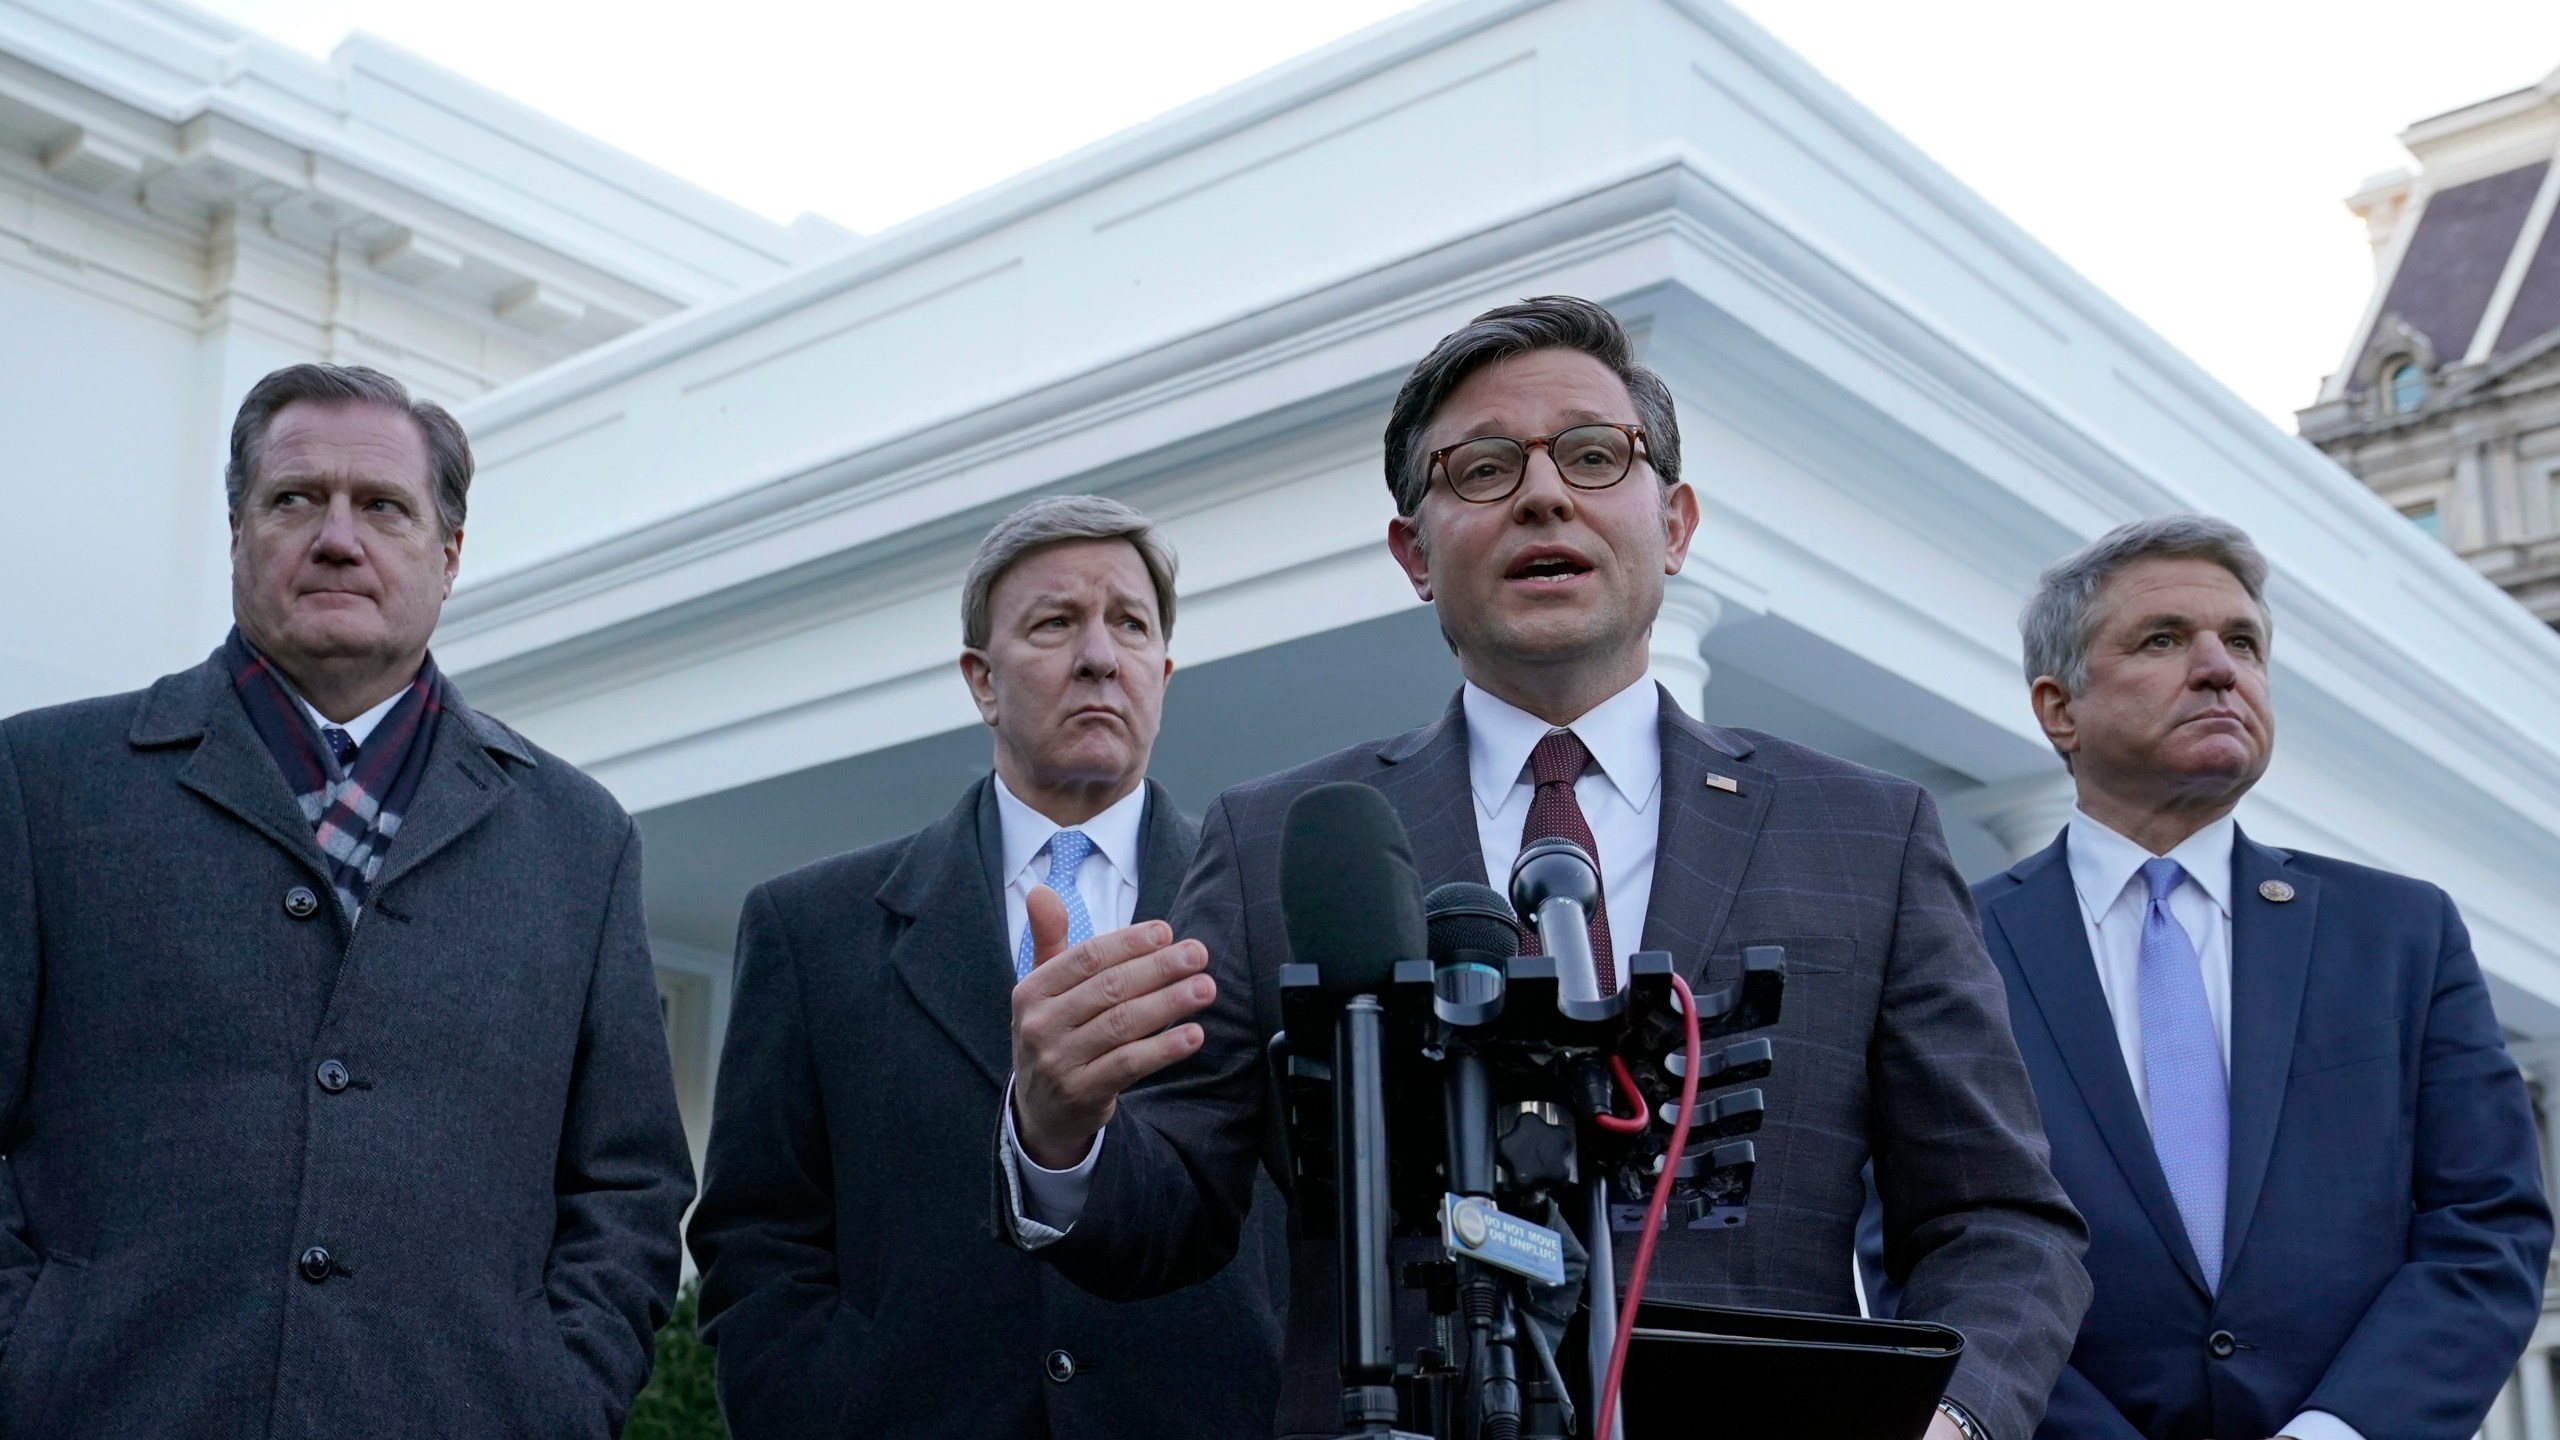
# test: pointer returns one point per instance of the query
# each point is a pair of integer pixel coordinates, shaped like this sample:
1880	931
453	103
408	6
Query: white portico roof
726	548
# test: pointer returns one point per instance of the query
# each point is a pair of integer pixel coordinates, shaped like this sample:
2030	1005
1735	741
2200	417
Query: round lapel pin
2275	890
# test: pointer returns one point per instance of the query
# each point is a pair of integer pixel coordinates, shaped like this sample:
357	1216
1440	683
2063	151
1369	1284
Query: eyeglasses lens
1589	457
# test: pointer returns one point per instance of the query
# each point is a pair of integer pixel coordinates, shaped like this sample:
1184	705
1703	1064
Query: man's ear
2053	714
1680	525
452	559
980	676
1405	542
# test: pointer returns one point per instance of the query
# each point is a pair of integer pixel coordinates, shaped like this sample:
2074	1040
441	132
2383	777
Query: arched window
2407	386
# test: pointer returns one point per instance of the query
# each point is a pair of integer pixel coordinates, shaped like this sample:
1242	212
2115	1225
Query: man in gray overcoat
334	1099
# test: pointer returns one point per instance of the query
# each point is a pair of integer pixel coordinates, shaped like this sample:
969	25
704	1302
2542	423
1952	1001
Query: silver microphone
1556	885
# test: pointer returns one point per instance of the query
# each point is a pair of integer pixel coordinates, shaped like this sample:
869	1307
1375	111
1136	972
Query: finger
1130	1022
1124	982
1048	924
1116	1070
1076	964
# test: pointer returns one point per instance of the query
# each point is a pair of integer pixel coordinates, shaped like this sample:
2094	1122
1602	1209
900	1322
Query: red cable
1620	1124
1653	1212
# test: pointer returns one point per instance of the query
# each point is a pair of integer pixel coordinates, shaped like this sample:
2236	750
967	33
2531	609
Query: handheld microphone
1556	885
1473	938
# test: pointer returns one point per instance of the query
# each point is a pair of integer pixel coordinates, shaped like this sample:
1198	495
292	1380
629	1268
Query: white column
2541	1416
1689	613
2023	815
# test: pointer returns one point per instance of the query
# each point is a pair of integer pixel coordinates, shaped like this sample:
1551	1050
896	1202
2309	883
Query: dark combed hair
448	449
1544	322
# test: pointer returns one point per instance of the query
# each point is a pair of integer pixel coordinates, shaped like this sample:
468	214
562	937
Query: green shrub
680	1403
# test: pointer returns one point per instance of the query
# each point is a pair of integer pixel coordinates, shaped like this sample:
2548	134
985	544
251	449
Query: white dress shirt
360	728
1617	794
2106	870
1624	735
1108	880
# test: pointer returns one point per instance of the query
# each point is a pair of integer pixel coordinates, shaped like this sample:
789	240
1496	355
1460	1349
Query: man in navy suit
2272	1081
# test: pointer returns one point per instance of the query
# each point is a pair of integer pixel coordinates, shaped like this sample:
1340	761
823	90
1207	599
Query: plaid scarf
354	812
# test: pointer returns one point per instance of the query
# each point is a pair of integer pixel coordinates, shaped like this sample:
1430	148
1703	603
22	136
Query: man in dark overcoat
851	1280
334	1099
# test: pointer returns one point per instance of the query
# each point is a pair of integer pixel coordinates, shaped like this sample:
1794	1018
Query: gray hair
2061	620
1546	322
448	449
1053	520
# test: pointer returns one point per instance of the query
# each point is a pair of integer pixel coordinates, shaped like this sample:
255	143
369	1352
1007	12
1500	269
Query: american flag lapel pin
1725	783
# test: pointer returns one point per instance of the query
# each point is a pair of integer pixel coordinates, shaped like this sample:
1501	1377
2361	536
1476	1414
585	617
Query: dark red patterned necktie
1558	761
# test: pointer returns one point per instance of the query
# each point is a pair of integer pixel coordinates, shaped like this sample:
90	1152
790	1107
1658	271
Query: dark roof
2537	307
2452	264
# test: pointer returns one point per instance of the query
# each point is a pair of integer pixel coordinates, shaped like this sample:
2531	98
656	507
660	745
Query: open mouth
1548	567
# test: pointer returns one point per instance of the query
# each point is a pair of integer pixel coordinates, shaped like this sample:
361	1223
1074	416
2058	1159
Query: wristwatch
1964	1422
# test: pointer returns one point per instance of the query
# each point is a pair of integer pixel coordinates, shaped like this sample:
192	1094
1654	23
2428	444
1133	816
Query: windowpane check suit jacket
1894	1038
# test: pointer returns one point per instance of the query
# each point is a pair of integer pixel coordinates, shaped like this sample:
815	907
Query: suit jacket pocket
31	1355
2316	1054
561	1402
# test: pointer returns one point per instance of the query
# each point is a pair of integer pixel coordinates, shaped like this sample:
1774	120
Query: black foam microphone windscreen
1466	916
1347	889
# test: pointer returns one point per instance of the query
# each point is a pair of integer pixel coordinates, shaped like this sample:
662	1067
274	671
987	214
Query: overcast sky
2187	155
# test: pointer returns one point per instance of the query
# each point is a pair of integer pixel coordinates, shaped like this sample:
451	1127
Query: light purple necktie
2182	1070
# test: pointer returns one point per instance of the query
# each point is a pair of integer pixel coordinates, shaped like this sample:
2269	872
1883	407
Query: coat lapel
460	787
1424	775
1165	843
231	766
2039	925
952	955
1708	831
2270	966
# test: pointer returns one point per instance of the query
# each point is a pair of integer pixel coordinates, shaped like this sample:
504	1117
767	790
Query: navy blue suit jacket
2387	1232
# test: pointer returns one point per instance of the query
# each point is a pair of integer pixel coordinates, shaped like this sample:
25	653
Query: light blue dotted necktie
1067	850
2182	1069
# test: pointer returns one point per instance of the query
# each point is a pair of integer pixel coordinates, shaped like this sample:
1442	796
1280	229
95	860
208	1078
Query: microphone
1556	885
1473	938
1348	895
1353	908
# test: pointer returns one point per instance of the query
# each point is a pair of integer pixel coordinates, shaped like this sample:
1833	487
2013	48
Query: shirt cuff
2320	1425
1046	1203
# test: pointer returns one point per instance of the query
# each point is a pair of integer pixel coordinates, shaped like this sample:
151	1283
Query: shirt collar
2103	862
1114	832
360	729
1623	733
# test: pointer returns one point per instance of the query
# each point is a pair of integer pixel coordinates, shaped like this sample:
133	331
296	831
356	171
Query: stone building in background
2448	401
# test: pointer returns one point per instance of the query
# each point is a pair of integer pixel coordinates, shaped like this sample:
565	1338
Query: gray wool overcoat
266	1174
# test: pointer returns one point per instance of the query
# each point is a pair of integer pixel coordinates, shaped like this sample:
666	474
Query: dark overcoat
268	1174
852	1279
2386	1226
1894	1041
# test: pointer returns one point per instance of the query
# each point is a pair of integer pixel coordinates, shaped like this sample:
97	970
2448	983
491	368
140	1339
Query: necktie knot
1067	851
1560	759
341	744
2161	876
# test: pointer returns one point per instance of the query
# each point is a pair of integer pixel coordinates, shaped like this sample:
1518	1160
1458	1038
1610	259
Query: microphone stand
1364	1217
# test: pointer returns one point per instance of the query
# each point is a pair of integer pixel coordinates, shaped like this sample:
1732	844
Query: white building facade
716	559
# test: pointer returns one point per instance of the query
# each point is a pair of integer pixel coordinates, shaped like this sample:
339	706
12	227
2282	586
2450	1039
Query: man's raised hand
1091	1020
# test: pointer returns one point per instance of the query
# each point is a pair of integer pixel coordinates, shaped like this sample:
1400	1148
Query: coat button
2222	1343
1061	1366
332	1076
300	903
317	1264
